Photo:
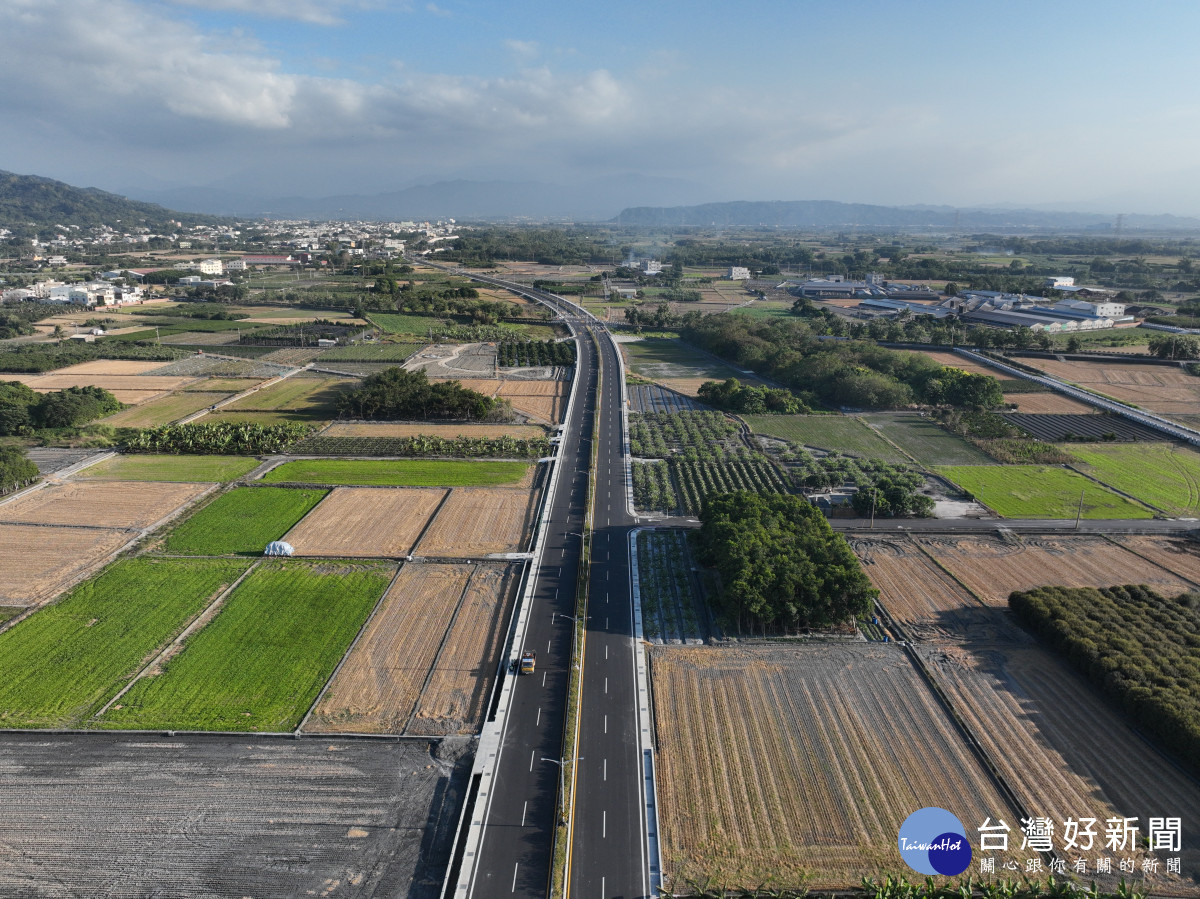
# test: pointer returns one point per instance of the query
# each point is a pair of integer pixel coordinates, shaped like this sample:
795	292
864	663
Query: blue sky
1067	104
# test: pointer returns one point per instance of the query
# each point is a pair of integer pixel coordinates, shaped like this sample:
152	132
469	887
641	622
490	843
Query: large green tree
782	567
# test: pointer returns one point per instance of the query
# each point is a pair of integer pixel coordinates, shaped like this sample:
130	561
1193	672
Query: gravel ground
119	815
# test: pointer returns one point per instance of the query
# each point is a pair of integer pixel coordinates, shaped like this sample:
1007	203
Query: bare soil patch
1048	404
111	367
38	562
1159	388
1177	555
106	504
476	521
365	521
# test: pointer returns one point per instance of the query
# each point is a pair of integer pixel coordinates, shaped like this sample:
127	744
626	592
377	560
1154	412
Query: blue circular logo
933	841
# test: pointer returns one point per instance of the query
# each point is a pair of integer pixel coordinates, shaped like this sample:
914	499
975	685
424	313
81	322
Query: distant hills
43	202
825	215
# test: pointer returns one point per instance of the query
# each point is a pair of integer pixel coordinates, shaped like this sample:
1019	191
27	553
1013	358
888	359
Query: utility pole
1079	511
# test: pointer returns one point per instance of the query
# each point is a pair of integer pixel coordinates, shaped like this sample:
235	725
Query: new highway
523	813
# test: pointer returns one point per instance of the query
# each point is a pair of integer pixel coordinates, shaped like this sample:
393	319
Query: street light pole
562	786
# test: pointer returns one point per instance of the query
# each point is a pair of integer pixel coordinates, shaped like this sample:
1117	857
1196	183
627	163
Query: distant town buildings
738	273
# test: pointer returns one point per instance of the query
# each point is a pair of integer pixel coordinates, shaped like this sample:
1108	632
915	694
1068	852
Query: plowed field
365	521
476	521
776	762
105	504
486	386
1064	752
38	562
141	384
1048	404
925	600
111	367
1159	388
1181	557
954	360
383	676
453	702
992	568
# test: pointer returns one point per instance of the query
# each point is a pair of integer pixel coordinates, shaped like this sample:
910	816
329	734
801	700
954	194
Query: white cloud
317	12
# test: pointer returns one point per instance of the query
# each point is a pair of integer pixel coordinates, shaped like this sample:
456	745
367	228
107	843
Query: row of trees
16	469
23	410
838	373
782	567
220	438
1140	648
398	394
536	352
1175	346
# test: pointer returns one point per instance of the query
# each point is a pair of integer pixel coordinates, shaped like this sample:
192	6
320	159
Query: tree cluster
16	469
1138	647
782	567
398	394
23	410
891	498
536	352
838	373
734	396
1175	346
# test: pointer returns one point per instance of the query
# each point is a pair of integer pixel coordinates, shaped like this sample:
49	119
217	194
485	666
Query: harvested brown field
1048	404
1159	388
40	561
465	669
378	685
110	367
102	504
794	765
388	429
545	400
148	384
924	600
354	522
992	568
164	410
520	387
1177	555
1062	749
476	521
486	386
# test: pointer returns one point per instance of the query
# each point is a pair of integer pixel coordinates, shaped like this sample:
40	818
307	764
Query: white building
1104	310
651	267
1058	281
211	267
56	261
738	273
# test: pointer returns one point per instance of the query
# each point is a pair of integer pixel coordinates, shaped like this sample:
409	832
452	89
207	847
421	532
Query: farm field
262	418
111	367
264	817
544	400
138	467
1057	428
371	352
399	472
314	397
1161	475
1041	491
925	600
1179	556
844	434
1048	404
925	440
991	568
697	480
38	560
1062	748
810	794
260	663
242	521
476	521
659	359
365	522
164	410
130	389
1160	388
101	504
421	429
59	665
225	385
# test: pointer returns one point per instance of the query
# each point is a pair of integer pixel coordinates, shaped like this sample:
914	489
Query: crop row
652	488
668	611
535	352
422	445
697	480
835	469
690	435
